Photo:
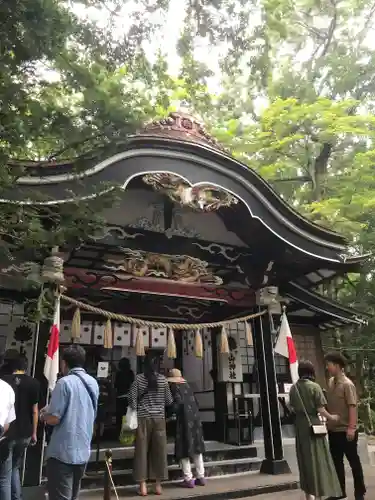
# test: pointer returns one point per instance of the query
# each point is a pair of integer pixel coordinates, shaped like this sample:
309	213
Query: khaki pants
150	455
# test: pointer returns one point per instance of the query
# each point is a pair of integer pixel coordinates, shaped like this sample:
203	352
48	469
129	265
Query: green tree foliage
67	87
289	87
311	66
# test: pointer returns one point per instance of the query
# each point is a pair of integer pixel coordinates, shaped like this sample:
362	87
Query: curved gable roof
197	163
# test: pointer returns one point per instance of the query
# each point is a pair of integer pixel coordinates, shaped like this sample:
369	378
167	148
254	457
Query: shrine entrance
198	242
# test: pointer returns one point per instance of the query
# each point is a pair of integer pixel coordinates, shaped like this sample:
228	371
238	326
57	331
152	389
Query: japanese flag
51	365
285	347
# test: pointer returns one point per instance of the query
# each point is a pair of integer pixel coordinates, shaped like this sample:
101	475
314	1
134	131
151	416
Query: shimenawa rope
156	324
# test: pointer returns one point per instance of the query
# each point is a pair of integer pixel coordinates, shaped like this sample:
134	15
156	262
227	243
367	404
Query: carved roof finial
181	125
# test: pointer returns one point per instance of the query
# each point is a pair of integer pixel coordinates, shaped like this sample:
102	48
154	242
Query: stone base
274	467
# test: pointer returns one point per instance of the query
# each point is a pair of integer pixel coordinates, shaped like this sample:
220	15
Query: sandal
142	492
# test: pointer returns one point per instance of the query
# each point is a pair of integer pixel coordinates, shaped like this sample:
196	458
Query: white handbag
316	429
131	420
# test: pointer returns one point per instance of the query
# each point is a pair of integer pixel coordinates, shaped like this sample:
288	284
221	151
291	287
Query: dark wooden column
274	462
220	391
34	453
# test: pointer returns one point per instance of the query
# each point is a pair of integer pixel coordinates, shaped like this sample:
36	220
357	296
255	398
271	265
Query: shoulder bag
88	389
316	430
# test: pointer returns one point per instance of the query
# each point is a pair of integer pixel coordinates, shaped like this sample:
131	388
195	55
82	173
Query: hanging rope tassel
198	344
76	325
249	334
171	351
108	335
224	345
139	344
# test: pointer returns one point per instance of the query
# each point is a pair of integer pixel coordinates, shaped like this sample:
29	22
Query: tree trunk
319	173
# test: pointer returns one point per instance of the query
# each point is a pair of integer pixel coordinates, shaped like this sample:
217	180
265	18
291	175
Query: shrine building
198	238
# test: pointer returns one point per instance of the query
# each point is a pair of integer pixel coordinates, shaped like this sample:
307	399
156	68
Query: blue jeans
18	449
64	480
6	475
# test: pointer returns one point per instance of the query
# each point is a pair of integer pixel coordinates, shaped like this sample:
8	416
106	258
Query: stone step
218	488
122	458
94	479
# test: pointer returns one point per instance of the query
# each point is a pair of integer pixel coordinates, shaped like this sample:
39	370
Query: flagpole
43	441
55	323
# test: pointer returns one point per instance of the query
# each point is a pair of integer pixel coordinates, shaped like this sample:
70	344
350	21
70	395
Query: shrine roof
326	313
177	157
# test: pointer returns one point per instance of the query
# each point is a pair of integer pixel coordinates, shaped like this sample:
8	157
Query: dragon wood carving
181	268
201	198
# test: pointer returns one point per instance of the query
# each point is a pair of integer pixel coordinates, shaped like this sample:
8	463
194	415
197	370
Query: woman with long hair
149	395
318	478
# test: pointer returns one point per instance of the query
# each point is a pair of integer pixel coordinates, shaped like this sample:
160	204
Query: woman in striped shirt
149	395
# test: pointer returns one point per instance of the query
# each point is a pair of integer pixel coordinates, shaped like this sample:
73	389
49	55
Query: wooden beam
96	280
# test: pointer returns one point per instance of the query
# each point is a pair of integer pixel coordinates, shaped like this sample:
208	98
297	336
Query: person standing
318	478
123	382
6	367
189	442
71	412
343	435
148	396
23	430
7	416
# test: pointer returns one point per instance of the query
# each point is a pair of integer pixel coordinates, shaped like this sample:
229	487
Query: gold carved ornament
201	198
180	268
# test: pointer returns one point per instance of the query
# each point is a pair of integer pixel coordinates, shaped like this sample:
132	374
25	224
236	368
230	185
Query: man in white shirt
7	416
7	400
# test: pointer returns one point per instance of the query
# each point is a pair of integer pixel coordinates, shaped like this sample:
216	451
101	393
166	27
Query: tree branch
363	33
331	30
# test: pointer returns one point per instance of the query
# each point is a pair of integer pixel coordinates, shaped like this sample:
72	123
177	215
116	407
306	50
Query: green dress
317	472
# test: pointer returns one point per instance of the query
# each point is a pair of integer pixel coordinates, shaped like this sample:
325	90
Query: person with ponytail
149	396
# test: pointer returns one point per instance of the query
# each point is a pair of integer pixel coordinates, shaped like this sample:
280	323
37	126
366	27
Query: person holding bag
148	397
318	478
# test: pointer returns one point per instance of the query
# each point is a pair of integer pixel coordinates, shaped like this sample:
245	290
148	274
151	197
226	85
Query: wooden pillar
220	391
274	462
34	454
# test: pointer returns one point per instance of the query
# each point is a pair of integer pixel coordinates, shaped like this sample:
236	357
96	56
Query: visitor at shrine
123	381
189	442
149	396
7	416
318	478
72	413
343	435
23	431
7	367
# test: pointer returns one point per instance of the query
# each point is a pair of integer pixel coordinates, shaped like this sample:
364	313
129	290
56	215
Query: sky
165	40
172	22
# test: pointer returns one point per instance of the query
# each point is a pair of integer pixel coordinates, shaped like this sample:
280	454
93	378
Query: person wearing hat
189	442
